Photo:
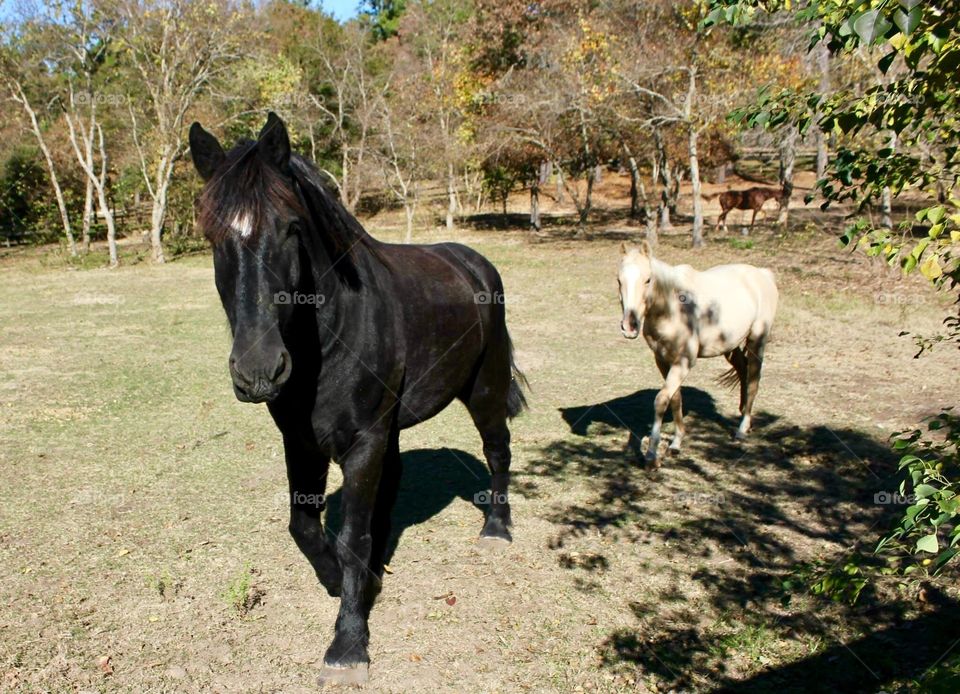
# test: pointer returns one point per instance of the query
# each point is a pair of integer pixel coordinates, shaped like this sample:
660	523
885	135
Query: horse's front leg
676	406
307	476
347	660
674	379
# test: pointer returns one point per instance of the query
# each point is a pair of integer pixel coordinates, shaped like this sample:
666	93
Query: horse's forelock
244	196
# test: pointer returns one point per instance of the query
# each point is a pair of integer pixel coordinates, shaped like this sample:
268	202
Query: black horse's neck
340	246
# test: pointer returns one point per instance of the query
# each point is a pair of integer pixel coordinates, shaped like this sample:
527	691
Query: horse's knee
662	401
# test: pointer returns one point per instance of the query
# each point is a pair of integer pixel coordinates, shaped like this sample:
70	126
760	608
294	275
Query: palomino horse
685	314
749	199
349	340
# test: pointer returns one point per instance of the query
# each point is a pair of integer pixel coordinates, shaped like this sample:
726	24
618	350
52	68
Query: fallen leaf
103	662
387	569
415	658
452	600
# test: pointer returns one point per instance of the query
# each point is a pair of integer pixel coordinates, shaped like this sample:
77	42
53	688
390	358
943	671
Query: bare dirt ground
143	542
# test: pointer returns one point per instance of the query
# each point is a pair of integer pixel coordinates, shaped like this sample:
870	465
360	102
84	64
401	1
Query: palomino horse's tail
729	379
516	399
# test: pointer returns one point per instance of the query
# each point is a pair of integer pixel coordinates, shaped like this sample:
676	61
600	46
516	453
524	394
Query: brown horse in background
749	199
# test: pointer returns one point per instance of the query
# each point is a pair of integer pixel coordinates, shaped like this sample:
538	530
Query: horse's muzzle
251	383
630	326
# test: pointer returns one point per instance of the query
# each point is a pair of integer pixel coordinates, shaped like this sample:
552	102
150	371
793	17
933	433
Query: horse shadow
748	517
634	415
432	479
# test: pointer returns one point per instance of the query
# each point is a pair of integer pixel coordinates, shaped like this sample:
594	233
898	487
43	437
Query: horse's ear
274	143
645	247
206	152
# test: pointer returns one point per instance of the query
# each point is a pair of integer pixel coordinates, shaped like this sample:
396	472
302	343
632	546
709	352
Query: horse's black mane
246	187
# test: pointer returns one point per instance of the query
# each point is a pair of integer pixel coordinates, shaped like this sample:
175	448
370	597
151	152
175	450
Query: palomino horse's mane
666	278
248	192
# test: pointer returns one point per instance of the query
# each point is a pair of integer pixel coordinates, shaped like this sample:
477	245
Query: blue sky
341	9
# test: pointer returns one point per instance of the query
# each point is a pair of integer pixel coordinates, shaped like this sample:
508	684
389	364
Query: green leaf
871	26
944	557
935	214
908	22
924	490
928	543
931	268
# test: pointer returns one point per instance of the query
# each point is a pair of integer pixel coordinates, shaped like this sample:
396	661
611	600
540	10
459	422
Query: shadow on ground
432	480
739	521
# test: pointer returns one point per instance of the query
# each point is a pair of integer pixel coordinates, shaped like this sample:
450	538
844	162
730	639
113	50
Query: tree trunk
583	211
648	217
634	183
86	159
665	182
695	188
823	61
159	212
101	186
345	182
20	96
535	206
886	198
788	156
87	217
451	195
408	211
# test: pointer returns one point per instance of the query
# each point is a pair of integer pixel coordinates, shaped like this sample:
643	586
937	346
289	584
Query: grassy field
143	541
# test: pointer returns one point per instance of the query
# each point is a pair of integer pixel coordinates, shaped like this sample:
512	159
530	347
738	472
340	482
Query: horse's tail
729	379
516	399
709	197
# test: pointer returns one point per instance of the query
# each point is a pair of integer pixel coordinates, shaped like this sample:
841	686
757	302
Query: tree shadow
744	518
432	479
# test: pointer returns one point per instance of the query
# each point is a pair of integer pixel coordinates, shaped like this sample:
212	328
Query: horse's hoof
349	675
494	542
496	530
740	435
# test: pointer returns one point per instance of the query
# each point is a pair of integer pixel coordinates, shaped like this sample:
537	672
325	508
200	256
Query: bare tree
19	74
82	137
401	150
356	105
178	48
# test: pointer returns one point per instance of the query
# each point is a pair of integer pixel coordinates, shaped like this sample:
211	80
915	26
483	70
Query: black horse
349	340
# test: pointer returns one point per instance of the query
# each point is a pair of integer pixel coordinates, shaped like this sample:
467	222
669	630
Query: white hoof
354	675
